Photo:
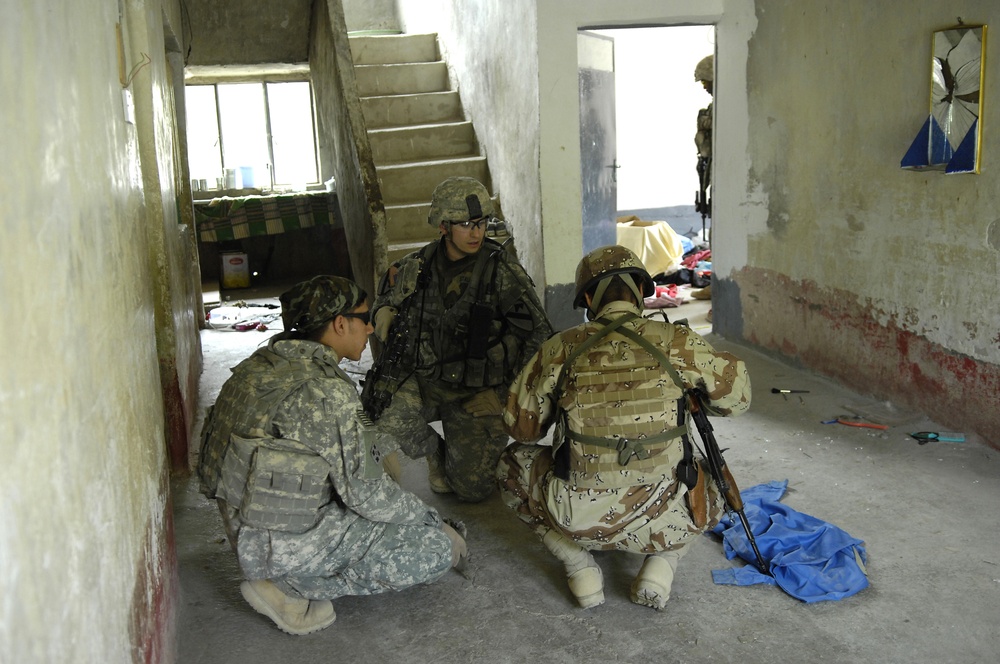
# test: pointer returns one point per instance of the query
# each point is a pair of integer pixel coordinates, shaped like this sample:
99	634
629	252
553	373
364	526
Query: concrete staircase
417	130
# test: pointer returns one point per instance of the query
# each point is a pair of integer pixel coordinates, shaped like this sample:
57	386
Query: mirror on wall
950	139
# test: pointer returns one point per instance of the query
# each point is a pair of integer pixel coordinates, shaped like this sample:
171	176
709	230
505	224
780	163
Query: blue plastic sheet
811	560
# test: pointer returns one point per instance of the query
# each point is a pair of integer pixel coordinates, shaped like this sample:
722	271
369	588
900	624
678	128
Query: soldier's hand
459	549
484	403
383	321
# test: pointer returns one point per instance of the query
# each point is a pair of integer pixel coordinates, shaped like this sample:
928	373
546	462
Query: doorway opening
656	106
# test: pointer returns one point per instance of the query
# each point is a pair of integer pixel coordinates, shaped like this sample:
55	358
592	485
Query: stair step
397	251
414	109
408	223
391	49
380	80
423	143
414	182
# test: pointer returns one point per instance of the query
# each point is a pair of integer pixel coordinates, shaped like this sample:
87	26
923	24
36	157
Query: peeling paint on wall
853	339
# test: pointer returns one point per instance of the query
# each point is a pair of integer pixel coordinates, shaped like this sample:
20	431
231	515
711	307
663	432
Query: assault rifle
720	471
385	376
702	203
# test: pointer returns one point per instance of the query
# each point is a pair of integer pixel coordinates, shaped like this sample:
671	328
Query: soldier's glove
484	403
459	549
383	321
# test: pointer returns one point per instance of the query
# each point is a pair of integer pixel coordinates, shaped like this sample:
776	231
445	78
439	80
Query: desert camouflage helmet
606	262
309	305
459	199
705	69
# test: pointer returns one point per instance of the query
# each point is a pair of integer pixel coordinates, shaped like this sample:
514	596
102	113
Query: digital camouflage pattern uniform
341	526
441	376
614	388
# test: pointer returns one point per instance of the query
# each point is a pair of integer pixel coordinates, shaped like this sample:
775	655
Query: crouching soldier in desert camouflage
615	389
305	502
471	319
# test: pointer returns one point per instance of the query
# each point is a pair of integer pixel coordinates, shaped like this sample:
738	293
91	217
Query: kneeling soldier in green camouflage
299	481
620	474
461	317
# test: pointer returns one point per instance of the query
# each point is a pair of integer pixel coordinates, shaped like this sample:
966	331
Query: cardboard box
235	271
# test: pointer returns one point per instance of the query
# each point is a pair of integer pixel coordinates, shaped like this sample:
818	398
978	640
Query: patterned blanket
227	218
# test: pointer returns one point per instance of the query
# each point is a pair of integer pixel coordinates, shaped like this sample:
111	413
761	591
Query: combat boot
656	576
586	581
294	615
436	476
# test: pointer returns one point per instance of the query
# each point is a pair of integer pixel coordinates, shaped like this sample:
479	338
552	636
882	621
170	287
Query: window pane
204	158
292	135
244	129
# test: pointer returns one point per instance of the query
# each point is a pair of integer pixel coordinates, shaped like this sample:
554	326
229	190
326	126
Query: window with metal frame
259	134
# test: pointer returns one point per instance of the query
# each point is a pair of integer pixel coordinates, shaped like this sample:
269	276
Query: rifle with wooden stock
719	470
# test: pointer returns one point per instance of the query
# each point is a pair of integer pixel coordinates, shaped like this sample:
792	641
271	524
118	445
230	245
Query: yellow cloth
656	244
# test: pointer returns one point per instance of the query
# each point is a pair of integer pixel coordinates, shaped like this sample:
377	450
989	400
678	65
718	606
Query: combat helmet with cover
601	265
705	69
311	304
459	199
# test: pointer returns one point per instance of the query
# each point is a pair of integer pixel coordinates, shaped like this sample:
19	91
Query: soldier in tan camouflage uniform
614	387
474	318
306	505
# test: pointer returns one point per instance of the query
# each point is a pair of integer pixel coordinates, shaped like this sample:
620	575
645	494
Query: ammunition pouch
275	484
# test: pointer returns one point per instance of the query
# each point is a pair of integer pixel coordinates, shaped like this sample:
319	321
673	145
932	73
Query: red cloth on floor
691	260
666	296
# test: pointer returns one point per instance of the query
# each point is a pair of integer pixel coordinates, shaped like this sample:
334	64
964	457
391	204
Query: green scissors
925	437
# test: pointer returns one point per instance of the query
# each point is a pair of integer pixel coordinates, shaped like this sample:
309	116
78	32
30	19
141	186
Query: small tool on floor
856	422
778	390
924	437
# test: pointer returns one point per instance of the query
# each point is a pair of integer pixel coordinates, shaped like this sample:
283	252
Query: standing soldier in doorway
471	319
704	73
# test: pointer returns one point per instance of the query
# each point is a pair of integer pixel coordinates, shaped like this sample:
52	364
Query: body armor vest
470	343
274	483
622	408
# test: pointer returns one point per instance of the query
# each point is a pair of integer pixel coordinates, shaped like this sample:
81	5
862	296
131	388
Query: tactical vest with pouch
627	405
472	344
274	483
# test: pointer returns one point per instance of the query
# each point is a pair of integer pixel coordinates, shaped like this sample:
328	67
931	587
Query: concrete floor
927	513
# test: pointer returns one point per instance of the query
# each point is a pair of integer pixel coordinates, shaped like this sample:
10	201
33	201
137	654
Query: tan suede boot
294	615
585	578
656	576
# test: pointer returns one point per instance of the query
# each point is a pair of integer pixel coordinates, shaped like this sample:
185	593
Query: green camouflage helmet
309	305
705	69
600	265
459	199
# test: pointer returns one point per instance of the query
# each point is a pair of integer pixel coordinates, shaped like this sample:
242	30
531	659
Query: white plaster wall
491	50
832	112
82	483
375	15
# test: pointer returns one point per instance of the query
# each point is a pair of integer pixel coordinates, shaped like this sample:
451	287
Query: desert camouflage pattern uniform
373	536
602	505
440	382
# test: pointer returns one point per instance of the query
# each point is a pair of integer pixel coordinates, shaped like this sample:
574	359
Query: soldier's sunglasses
363	316
466	225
